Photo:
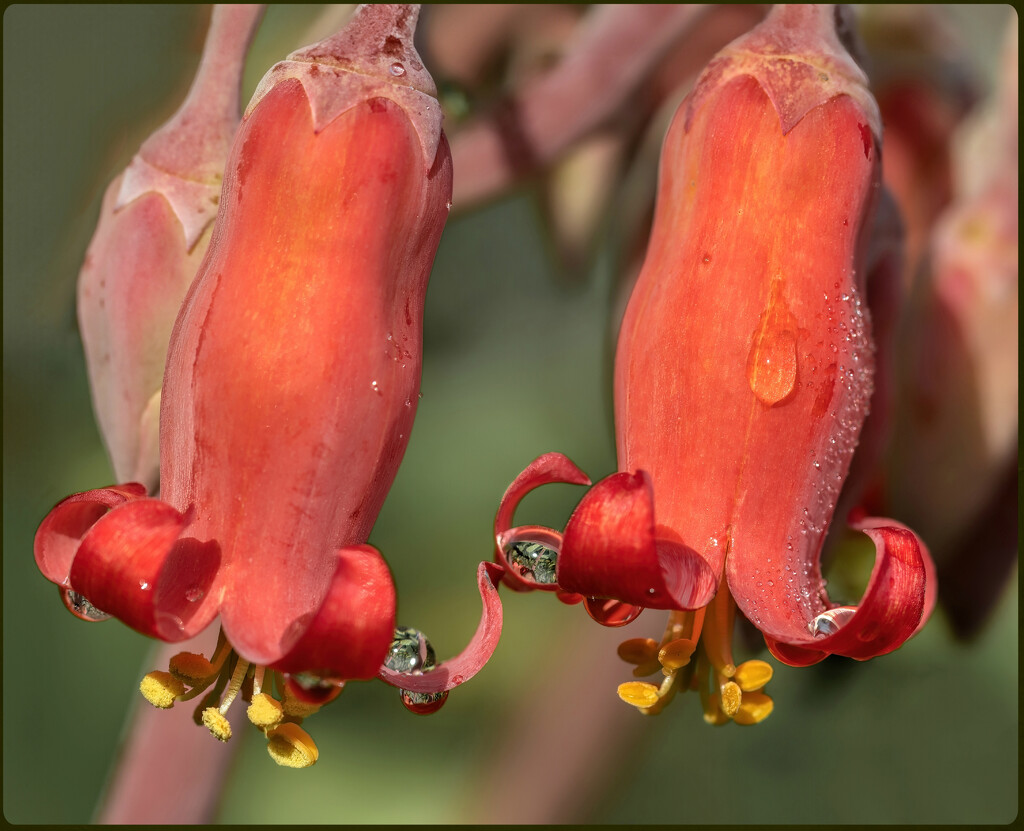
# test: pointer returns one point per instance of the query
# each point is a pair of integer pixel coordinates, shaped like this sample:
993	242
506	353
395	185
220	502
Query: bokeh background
517	362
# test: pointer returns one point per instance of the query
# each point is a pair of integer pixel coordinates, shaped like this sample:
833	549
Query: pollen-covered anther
677	653
265	712
731	696
217	723
291	746
643	652
751	676
161	689
755	708
191	668
639	693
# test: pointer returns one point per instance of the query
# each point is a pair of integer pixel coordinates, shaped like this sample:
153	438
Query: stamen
676	654
216	722
753	675
639	693
638	650
265	712
237	677
161	689
718	625
291	746
756	707
731	697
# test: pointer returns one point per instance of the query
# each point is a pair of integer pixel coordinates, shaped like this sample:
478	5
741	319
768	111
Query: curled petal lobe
612	549
899	597
471	660
351	629
136	564
61	532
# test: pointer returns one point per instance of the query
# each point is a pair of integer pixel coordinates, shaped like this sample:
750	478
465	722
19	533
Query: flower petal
899	598
349	635
611	548
545	469
61	532
471	660
135	564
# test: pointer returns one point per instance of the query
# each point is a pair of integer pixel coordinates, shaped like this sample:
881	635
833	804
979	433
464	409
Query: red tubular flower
290	390
743	376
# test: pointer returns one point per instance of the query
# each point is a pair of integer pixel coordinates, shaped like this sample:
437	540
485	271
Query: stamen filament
237	677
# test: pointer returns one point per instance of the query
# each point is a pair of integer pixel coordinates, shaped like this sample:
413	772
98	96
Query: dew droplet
423	703
397	69
194	595
831	621
376	389
80	606
771	363
410	651
533	560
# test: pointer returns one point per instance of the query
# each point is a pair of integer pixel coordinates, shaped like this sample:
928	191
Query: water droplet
410	651
830	622
534	560
80	606
771	583
194	595
376	389
408	402
143	585
771	363
397	70
423	703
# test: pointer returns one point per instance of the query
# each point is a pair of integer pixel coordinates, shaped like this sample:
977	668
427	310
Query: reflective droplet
771	363
397	70
376	389
143	585
80	607
194	595
830	622
410	651
423	703
533	559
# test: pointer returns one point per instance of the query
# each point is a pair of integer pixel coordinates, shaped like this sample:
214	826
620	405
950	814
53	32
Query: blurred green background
516	363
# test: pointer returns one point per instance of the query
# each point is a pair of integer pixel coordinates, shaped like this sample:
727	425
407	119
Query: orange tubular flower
743	376
290	390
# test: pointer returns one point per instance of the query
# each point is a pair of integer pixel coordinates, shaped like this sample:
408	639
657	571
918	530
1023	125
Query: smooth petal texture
353	626
899	598
294	369
135	564
743	370
545	469
449	674
611	549
61	532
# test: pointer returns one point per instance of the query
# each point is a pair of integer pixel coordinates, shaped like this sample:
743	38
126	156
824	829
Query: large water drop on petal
830	622
771	364
533	559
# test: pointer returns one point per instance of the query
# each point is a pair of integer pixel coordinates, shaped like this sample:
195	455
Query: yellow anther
638	650
639	693
191	668
291	746
217	723
731	698
677	653
713	710
756	707
265	712
161	689
752	675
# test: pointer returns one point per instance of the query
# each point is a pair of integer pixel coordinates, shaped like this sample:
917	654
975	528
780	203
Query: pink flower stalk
290	390
743	376
153	232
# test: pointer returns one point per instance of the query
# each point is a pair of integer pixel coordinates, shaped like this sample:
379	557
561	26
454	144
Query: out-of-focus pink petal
351	630
135	564
61	532
612	549
471	660
898	600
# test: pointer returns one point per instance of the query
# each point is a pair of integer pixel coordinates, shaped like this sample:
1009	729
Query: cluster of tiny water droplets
851	348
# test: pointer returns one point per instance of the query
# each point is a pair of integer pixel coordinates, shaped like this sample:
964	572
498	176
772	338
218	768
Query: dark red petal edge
544	470
350	633
609	550
899	598
61	531
135	564
471	660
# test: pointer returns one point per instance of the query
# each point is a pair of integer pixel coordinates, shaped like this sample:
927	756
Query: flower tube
290	390
743	376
